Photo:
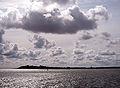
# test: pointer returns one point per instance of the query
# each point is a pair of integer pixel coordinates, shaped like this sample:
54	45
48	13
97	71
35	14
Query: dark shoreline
45	67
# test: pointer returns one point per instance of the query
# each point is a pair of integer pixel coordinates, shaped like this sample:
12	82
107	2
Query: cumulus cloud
59	62
1	58
1	35
98	13
114	42
41	43
10	18
78	55
79	45
106	34
108	52
8	51
57	51
12	51
86	36
1	41
52	19
37	22
32	55
83	56
60	2
78	51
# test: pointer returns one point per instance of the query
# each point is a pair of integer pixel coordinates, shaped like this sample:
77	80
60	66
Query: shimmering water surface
19	78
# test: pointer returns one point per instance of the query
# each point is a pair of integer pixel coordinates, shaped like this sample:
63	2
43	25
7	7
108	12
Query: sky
59	33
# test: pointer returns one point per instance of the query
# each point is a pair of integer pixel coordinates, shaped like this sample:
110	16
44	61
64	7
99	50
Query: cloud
1	40
56	52
33	55
37	22
60	2
59	62
41	43
86	36
10	50
79	45
78	55
78	51
63	63
106	34
1	58
1	35
53	18
114	42
11	53
11	18
98	13
105	59
83	56
108	52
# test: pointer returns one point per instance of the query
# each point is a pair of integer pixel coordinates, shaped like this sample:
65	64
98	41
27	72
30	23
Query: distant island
46	67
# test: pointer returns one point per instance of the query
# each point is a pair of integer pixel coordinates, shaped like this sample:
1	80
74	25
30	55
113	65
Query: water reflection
22	78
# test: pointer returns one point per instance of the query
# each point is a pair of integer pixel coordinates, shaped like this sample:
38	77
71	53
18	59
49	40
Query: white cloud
108	52
57	51
41	43
1	35
98	13
78	51
86	36
106	34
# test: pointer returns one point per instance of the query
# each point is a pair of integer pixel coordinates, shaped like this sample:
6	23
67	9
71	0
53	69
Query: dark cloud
55	20
37	22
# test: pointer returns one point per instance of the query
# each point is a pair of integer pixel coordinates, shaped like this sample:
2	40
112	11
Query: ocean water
85	78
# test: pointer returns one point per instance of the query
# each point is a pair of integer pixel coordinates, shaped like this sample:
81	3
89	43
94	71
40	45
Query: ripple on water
60	79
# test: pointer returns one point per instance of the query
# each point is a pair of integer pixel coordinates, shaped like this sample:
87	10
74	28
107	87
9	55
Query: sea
79	78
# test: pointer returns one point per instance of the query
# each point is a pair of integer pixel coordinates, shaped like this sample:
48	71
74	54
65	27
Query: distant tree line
46	67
